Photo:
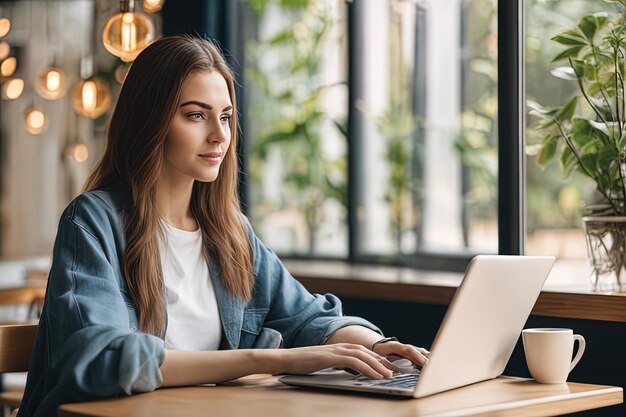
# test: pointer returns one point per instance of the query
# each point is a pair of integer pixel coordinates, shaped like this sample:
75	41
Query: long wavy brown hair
134	158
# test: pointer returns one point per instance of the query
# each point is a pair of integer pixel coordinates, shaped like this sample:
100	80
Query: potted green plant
588	133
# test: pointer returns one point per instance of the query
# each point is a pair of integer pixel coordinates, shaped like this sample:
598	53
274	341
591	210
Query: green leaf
588	25
568	161
607	158
579	67
573	51
567	111
548	150
567	39
602	19
588	148
590	162
594	88
603	183
581	131
585	131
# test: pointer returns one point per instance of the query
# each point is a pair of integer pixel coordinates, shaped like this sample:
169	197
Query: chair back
16	345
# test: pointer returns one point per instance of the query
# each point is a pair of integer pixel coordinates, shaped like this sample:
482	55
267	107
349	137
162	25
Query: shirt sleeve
86	347
303	319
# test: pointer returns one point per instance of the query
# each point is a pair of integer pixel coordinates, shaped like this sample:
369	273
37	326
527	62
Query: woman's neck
174	204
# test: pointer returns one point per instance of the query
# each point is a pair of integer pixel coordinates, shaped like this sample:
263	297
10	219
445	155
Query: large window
372	128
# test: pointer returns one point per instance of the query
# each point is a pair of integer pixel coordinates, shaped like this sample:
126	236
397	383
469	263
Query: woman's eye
225	118
196	116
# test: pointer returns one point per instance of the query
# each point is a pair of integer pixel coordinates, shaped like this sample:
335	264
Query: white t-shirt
193	319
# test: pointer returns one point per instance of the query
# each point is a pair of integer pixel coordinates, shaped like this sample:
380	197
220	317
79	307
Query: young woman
157	278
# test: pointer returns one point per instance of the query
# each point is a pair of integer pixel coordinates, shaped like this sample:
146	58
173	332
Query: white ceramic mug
549	353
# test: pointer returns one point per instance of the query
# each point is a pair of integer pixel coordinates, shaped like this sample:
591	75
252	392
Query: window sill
567	293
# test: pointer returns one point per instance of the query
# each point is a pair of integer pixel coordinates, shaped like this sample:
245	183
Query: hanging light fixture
8	67
91	97
153	6
127	33
50	84
12	88
35	120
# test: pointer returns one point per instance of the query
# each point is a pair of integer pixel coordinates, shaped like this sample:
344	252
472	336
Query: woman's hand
417	355
339	355
366	337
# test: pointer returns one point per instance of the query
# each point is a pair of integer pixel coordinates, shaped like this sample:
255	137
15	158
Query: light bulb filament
89	95
129	32
53	81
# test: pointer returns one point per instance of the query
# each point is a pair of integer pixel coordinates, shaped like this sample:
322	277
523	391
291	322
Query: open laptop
477	335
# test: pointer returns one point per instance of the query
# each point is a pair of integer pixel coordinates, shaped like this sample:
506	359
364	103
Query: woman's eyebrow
203	105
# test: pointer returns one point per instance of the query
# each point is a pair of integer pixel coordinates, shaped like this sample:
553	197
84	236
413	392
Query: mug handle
581	350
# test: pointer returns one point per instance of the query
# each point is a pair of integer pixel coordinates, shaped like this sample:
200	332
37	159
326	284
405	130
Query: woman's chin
207	178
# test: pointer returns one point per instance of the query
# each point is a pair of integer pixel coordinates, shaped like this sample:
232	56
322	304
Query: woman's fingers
364	361
357	358
340	355
419	356
424	352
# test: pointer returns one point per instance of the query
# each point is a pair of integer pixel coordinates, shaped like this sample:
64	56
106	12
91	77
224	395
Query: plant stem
621	80
584	93
617	77
595	73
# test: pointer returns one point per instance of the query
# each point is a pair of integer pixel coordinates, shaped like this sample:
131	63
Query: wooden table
263	396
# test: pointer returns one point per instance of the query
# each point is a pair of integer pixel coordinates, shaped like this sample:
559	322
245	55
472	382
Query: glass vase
606	249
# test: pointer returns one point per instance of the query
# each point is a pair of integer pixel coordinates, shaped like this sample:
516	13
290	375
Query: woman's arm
192	368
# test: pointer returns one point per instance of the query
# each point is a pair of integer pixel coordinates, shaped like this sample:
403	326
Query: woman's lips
212	157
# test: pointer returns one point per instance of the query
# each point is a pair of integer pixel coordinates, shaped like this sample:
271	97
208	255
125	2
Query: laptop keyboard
397	381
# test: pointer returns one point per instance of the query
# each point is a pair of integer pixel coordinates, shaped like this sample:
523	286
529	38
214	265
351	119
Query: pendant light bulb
127	33
77	152
35	120
51	83
5	27
153	6
5	50
12	89
91	98
8	67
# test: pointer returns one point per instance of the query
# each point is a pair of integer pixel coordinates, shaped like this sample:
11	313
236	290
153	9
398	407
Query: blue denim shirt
88	344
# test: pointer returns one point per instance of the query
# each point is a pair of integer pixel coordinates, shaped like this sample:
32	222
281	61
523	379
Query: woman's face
199	133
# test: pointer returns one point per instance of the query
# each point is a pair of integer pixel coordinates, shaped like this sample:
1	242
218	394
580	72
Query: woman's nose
219	133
